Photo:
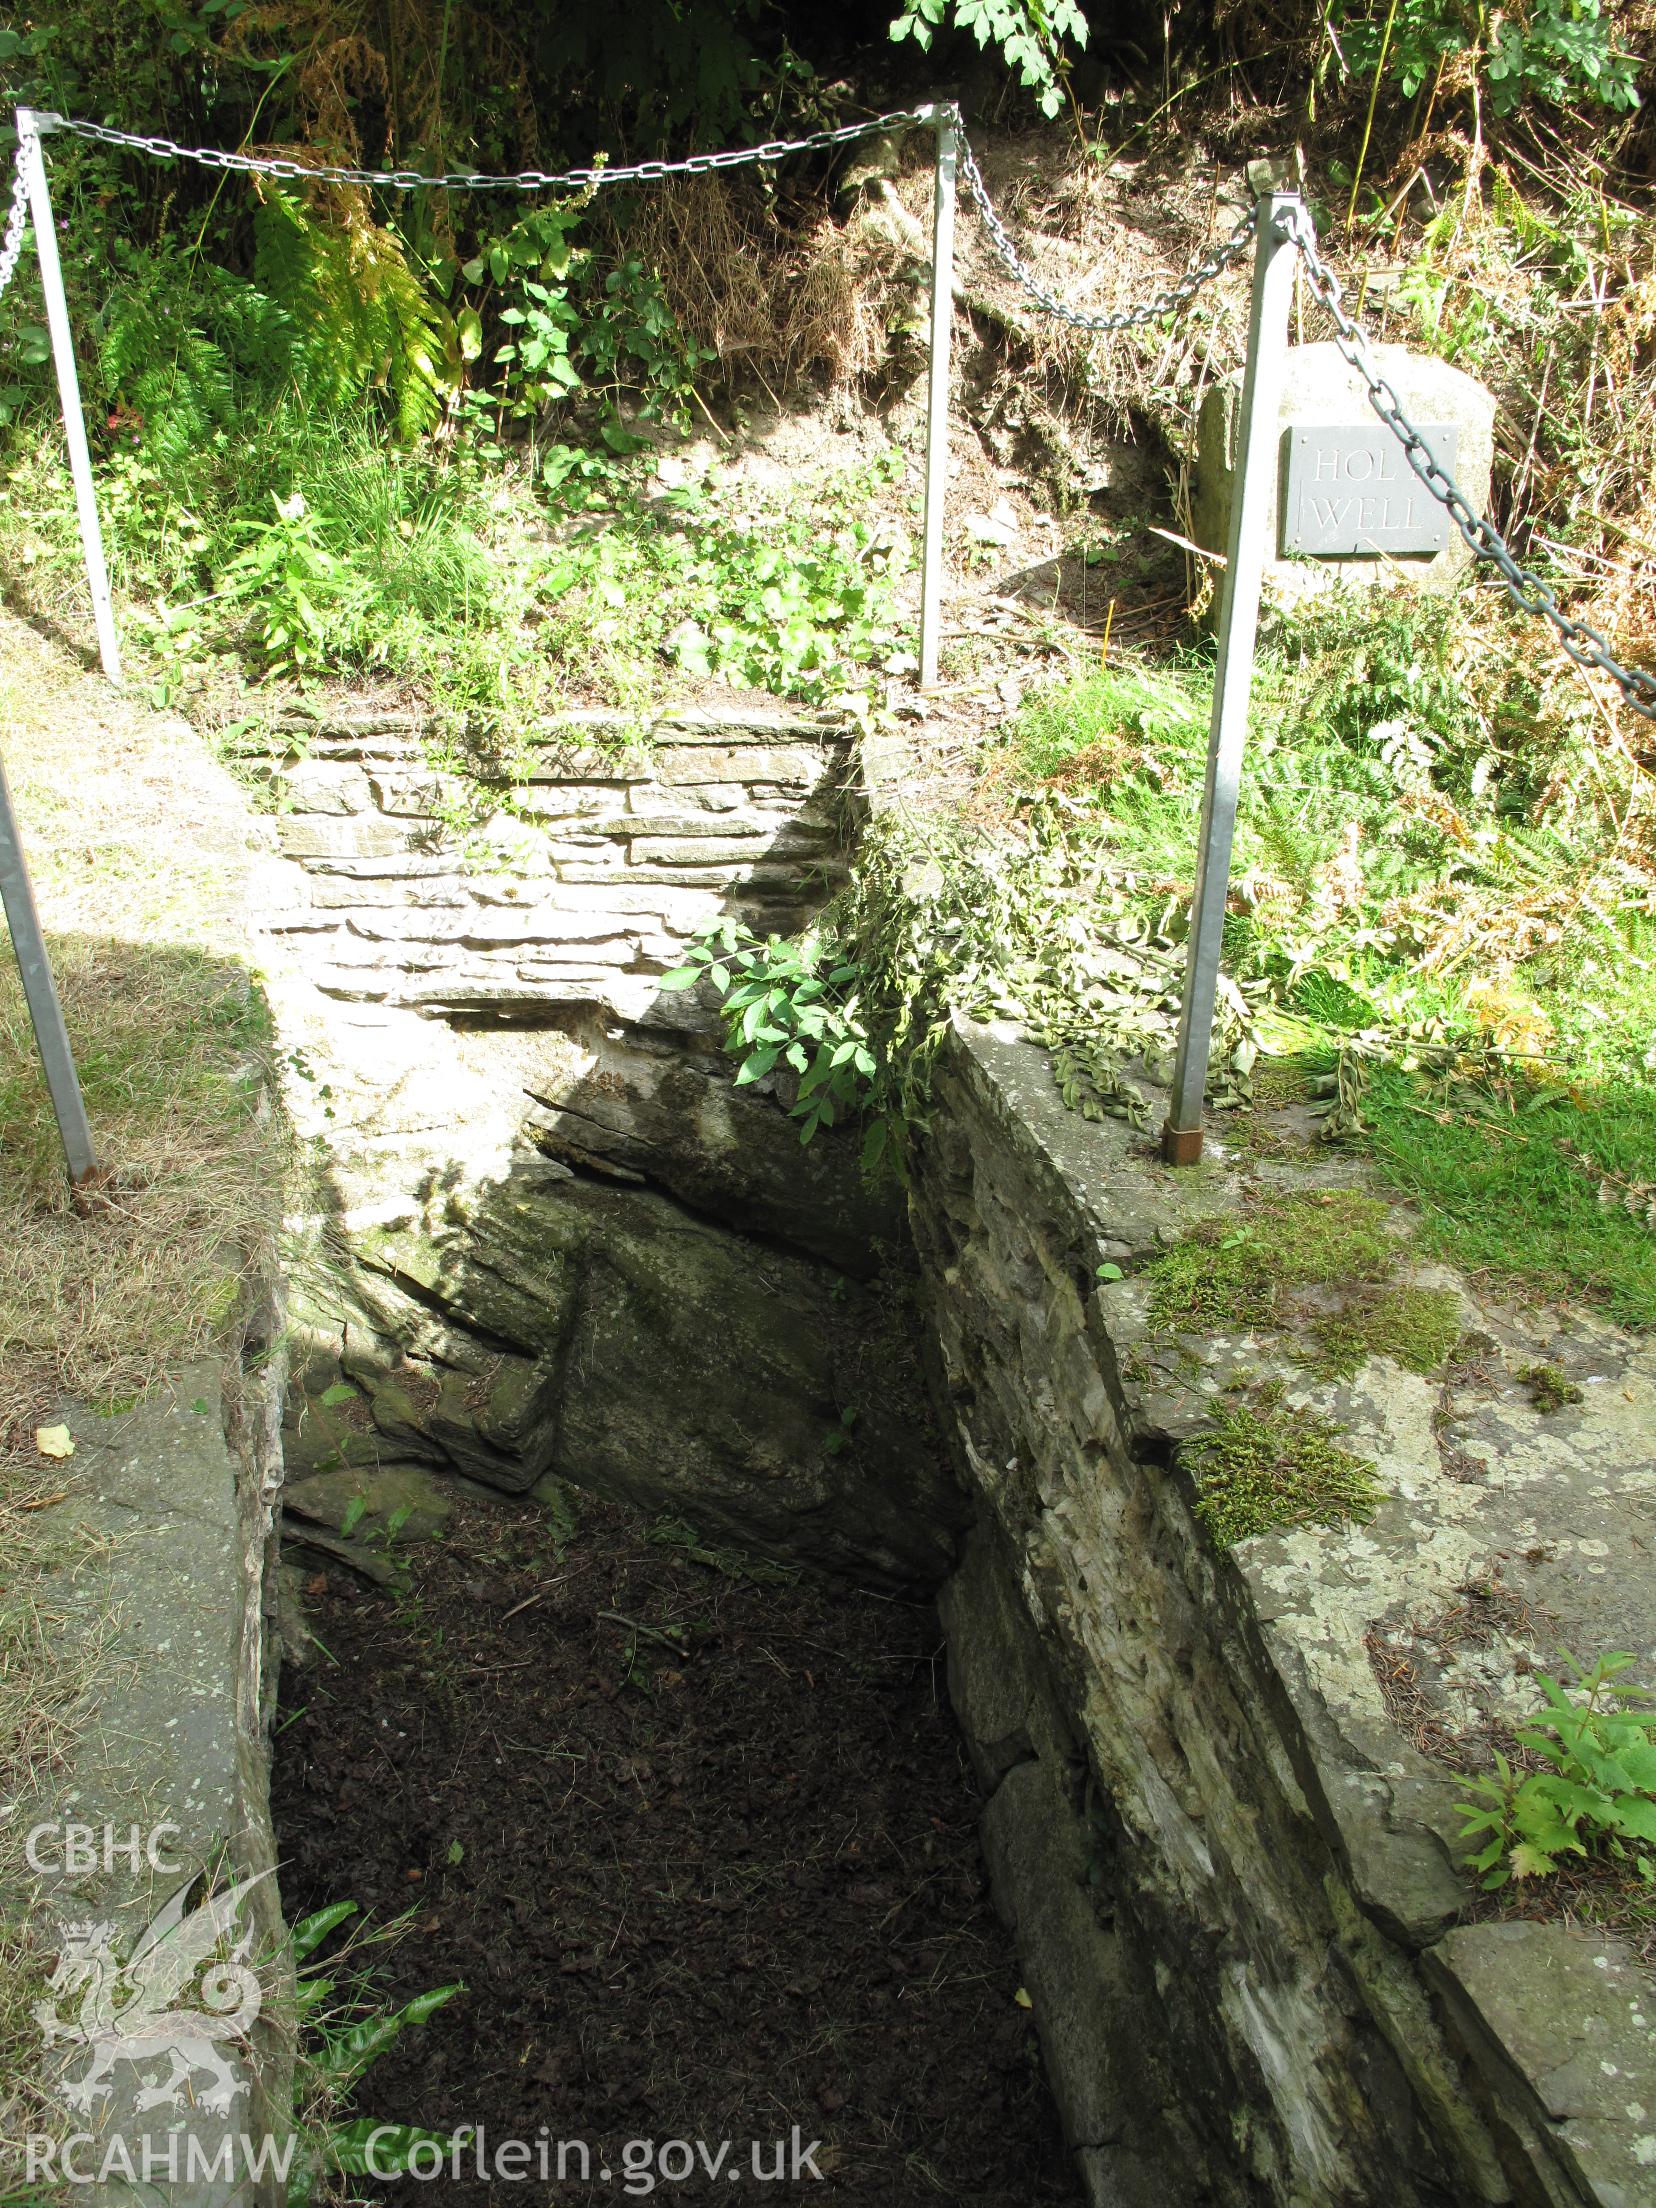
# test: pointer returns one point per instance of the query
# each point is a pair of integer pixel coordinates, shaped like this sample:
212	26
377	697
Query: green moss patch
1264	1467
1320	1264
1416	1327
1548	1388
1241	1271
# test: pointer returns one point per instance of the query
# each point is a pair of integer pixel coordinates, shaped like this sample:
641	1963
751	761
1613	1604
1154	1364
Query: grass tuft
1416	1327
1264	1467
1240	1272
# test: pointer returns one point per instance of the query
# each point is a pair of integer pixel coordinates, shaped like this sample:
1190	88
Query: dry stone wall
549	1240
406	889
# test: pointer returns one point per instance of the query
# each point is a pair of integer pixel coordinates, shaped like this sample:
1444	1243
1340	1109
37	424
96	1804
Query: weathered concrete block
1319	390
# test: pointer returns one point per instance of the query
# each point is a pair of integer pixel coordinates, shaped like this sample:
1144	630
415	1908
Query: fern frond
168	374
363	318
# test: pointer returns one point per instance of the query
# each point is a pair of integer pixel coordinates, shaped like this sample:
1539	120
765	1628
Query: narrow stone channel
697	1833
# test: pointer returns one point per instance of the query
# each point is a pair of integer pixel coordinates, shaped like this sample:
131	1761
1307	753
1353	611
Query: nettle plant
793	1007
1596	1796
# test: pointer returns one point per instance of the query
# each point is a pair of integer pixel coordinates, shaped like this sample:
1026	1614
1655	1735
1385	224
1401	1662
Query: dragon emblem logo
139	2010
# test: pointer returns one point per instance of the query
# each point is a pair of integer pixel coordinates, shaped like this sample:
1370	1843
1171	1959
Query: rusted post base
1181	1145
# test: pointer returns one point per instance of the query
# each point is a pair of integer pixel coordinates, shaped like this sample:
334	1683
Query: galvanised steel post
40	994
937	394
31	125
1252	477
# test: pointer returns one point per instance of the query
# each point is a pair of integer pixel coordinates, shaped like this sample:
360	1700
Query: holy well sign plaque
1349	493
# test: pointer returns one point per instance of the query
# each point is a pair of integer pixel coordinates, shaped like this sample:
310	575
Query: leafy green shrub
798	599
632	341
1028	34
1555	50
797	1006
1597	1796
574	328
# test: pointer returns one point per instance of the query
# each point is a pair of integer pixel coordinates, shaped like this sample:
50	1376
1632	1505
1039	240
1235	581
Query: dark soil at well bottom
702	1847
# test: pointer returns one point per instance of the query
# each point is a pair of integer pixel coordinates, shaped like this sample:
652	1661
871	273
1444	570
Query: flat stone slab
157	1787
1574	2019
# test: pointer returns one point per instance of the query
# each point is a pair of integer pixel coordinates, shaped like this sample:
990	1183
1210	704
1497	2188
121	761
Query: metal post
937	394
1252	477
40	994
30	126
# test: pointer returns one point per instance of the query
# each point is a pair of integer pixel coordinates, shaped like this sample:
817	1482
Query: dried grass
137	849
98	1306
135	846
39	1687
783	305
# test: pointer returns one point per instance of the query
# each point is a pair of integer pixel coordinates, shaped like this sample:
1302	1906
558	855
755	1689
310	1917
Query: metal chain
11	246
1156	309
463	180
1583	643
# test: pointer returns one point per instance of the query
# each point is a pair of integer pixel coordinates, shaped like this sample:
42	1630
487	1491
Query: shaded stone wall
1259	1974
549	1239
